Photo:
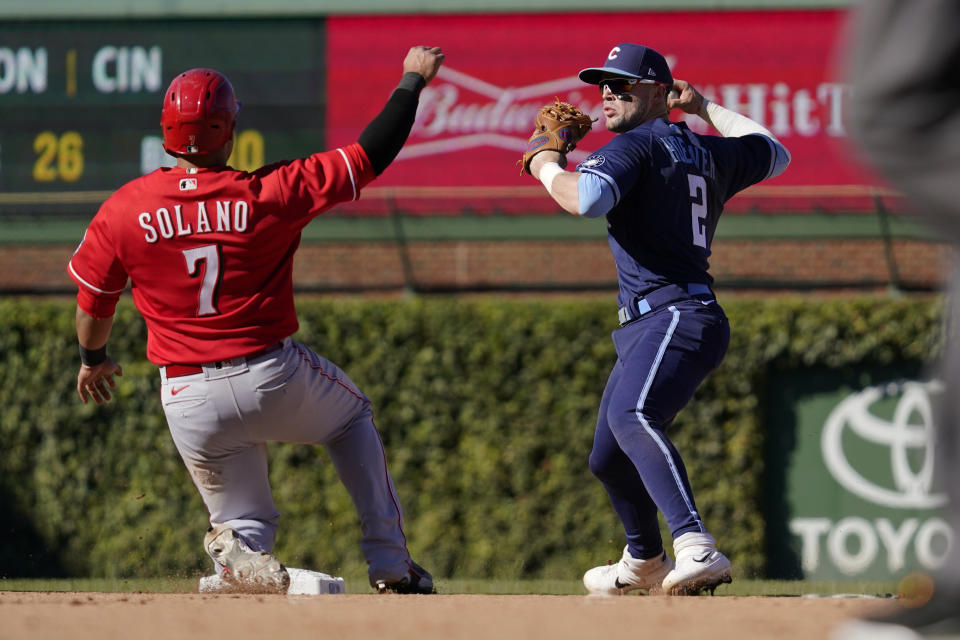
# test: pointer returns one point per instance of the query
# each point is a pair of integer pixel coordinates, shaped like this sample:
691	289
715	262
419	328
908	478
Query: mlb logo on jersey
188	184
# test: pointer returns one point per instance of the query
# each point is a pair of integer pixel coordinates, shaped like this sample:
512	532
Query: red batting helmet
199	113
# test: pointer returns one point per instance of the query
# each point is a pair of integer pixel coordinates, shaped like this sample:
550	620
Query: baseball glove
559	127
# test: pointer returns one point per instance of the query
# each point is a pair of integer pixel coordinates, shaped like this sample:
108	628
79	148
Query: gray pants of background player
221	420
905	112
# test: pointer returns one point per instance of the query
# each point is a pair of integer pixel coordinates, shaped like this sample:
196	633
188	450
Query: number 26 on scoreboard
59	157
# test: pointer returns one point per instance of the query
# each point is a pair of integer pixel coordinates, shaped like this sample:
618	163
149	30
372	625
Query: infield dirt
82	616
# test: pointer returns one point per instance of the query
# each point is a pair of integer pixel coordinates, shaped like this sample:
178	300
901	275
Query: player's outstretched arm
728	123
97	368
548	168
386	134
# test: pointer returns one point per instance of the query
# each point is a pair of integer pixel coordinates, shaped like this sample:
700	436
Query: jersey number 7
209	257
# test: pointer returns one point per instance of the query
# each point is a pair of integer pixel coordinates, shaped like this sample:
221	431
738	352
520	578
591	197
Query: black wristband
412	81
93	357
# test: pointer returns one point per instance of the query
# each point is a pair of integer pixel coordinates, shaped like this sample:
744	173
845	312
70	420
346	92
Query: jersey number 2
698	208
209	256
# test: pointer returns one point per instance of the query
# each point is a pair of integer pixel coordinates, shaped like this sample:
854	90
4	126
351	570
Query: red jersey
209	252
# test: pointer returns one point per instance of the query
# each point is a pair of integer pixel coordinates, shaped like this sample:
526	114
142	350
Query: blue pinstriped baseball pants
661	360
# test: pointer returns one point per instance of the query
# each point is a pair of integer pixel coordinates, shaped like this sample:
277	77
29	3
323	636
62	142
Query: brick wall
543	265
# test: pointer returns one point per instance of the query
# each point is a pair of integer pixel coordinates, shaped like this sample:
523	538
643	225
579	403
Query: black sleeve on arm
383	138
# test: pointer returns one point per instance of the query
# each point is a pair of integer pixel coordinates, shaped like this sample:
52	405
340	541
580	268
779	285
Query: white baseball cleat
699	566
628	575
243	569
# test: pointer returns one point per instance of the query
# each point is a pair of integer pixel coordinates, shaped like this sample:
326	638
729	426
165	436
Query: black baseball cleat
418	581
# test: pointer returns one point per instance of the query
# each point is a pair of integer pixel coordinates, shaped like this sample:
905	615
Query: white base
313	583
303	582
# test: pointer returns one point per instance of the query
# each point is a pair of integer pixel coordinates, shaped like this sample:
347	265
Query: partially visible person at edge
662	189
904	67
209	252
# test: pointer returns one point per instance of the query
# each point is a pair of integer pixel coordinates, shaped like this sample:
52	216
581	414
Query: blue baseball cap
631	61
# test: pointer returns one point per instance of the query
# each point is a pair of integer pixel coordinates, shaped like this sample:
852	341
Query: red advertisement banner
780	68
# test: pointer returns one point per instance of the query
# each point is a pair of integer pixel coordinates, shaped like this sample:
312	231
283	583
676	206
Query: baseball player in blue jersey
662	188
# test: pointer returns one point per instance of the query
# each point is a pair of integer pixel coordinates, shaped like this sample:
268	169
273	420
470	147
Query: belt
178	370
657	298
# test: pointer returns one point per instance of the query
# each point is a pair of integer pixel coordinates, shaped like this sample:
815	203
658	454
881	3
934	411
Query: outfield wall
79	96
80	99
58	9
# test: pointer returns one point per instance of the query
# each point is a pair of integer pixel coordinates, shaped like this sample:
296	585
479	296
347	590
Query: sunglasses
620	86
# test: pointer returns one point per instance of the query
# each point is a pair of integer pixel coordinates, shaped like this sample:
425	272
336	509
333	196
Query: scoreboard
80	101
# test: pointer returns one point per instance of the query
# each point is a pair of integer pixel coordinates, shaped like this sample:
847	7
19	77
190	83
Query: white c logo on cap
613	53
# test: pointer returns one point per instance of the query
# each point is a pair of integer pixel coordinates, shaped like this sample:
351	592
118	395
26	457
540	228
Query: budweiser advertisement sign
780	68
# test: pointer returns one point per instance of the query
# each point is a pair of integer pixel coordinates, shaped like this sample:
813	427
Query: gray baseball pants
222	418
904	112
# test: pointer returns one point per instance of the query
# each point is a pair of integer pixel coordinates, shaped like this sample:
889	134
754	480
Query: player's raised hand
94	380
685	98
424	60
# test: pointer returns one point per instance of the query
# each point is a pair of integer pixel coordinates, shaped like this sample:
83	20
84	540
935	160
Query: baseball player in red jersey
208	251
